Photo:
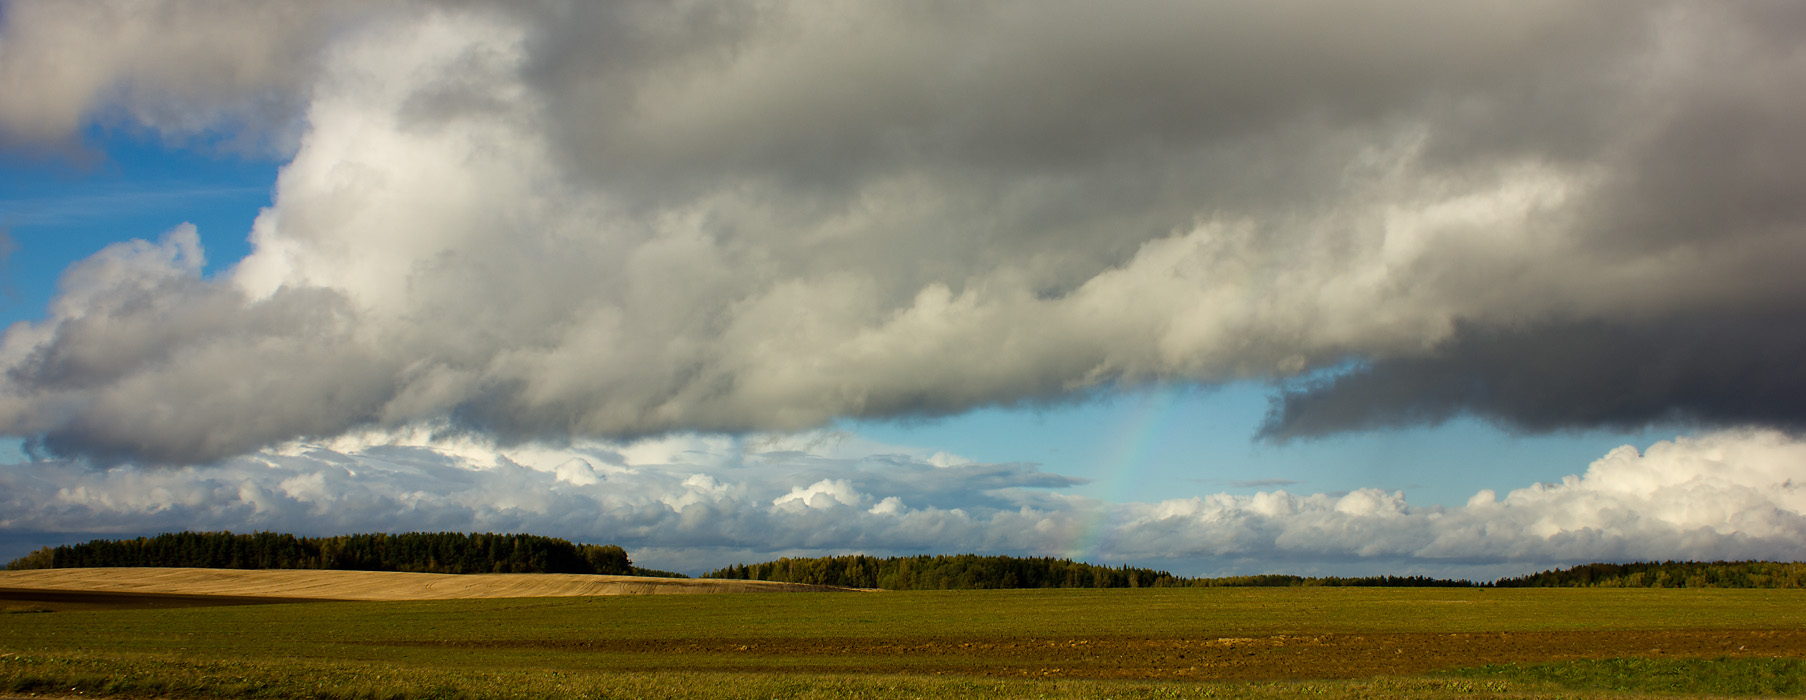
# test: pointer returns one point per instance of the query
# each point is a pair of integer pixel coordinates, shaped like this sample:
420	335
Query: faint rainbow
1125	459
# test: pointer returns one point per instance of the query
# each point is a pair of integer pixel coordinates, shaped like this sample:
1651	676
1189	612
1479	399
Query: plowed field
1236	658
1033	637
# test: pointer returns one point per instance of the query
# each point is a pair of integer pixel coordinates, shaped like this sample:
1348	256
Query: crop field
1222	642
365	585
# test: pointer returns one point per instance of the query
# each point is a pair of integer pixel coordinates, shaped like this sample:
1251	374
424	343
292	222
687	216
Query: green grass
586	647
1721	676
68	675
1025	613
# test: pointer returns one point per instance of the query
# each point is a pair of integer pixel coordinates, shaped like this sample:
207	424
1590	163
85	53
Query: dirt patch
28	600
1257	658
371	585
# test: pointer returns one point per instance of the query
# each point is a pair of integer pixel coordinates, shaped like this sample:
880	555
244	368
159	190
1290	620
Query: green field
1335	642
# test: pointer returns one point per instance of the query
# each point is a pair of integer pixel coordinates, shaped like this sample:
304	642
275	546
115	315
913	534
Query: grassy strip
1205	613
69	674
160	677
1722	676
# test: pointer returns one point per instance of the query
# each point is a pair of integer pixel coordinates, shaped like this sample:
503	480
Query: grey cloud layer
700	503
1730	368
540	220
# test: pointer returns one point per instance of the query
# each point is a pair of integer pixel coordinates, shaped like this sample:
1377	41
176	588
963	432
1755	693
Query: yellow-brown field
367	585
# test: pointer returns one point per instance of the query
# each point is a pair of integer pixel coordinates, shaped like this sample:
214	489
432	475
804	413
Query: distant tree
659	573
606	559
42	558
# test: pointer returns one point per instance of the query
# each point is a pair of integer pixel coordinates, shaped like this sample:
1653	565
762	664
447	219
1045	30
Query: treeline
1668	574
945	572
422	552
968	571
461	553
1287	580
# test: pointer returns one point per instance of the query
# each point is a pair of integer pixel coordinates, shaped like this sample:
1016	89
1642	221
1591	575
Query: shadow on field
29	600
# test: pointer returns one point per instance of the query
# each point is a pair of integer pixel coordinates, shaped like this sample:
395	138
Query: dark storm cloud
1716	371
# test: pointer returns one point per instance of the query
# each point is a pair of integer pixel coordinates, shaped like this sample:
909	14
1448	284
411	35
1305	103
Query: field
365	585
1333	642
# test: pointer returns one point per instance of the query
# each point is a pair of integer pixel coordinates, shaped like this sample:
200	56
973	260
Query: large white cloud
698	503
1733	495
540	220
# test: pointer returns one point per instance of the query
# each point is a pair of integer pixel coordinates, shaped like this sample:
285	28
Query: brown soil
1278	657
368	585
28	600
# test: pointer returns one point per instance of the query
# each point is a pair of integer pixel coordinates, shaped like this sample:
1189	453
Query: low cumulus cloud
551	220
1727	495
696	503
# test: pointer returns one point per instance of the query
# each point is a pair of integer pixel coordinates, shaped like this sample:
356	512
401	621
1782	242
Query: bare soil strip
25	600
369	585
1260	658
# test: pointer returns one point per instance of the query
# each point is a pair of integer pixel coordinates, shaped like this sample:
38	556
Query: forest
945	572
461	553
422	552
966	571
1668	574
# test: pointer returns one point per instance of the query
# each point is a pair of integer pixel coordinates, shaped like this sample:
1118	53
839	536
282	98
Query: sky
1239	287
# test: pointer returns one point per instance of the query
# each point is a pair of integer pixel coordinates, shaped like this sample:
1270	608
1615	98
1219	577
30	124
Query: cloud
707	502
181	68
1727	495
1262	483
1731	368
142	359
699	494
543	222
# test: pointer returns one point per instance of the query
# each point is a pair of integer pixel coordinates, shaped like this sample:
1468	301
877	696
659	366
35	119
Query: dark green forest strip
972	571
419	552
460	553
976	572
1668	574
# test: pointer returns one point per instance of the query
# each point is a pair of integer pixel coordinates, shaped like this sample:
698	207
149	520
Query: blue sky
60	209
1162	442
1117	284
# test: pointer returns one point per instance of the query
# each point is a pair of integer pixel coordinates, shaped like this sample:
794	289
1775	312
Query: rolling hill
370	585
